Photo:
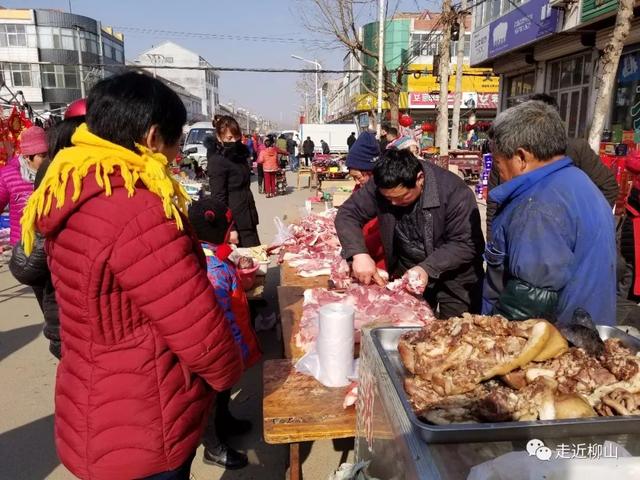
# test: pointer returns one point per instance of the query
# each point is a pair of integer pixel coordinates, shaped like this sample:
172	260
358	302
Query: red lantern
405	120
428	127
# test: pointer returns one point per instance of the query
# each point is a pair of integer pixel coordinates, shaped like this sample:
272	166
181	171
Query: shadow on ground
13	340
33	441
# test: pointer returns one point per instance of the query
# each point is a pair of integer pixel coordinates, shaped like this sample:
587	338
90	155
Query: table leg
295	472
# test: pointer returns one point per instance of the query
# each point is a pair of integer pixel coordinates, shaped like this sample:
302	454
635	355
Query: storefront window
568	82
626	107
519	88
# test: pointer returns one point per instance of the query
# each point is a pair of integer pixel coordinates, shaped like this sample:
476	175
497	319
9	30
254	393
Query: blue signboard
629	69
521	26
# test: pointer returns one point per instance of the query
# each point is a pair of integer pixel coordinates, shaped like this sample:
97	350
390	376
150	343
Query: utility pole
442	120
80	69
381	22
455	121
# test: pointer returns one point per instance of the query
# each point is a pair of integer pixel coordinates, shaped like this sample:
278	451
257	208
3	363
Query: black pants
183	472
219	414
445	304
260	176
248	237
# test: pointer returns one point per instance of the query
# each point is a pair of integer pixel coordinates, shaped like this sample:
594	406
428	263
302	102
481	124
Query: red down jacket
143	338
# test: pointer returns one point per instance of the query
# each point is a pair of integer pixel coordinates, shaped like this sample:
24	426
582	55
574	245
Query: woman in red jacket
145	343
268	158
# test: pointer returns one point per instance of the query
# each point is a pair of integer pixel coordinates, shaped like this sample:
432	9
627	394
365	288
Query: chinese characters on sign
569	451
470	100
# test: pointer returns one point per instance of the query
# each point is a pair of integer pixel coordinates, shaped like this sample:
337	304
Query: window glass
566	73
554	80
20	74
48	76
71	79
577	71
574	106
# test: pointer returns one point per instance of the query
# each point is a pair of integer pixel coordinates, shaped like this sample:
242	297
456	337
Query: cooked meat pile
488	369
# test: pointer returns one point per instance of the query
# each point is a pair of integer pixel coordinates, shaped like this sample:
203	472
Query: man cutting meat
553	245
430	230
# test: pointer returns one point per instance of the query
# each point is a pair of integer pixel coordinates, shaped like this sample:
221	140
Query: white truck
335	134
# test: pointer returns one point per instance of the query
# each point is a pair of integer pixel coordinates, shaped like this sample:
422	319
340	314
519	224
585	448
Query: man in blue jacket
553	245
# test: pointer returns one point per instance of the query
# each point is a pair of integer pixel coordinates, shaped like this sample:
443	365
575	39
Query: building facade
183	69
41	52
553	47
412	41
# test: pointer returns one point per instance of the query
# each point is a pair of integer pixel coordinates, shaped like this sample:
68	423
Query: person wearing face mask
18	177
230	179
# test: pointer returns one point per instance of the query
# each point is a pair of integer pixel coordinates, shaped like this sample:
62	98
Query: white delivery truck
335	134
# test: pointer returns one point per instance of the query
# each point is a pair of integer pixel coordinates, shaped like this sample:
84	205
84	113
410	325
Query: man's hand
234	238
365	271
417	279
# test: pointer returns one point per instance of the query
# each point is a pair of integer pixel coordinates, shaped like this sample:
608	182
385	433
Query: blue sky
271	95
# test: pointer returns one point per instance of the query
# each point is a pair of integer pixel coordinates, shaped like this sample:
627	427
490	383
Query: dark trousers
260	176
218	415
445	304
183	472
248	237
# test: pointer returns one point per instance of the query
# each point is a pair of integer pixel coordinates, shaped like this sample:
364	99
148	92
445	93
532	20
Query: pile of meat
372	305
313	247
487	369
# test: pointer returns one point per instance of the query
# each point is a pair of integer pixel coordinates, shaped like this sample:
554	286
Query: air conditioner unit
558	3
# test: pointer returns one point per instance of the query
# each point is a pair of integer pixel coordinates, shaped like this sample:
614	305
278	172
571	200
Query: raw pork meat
372	304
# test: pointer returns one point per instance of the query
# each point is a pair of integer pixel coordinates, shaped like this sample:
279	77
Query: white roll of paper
335	344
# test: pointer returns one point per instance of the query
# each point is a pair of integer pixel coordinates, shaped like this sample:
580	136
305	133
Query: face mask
228	144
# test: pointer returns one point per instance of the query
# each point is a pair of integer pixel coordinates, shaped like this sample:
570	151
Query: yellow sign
368	101
477	82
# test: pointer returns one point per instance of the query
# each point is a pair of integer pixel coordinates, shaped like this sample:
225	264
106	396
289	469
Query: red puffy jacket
143	338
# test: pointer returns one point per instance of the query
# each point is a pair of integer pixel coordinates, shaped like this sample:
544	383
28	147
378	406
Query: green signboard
592	9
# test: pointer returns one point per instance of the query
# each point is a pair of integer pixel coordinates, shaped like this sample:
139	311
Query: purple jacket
15	192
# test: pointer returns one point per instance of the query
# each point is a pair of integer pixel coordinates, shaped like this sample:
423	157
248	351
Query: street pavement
27	378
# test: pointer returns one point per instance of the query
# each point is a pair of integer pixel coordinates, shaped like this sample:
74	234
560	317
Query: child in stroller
281	182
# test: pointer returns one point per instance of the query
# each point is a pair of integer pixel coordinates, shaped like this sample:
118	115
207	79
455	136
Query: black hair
122	108
59	135
208	217
544	98
268	143
392	131
397	168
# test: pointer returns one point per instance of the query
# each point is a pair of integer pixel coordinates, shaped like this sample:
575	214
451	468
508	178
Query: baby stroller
281	182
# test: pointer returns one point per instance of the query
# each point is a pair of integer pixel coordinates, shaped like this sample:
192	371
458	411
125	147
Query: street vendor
553	246
361	159
429	226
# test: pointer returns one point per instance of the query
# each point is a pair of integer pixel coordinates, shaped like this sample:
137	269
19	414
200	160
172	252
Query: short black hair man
429	225
351	139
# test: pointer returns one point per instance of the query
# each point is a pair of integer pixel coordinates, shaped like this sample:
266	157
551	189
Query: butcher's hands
234	238
417	279
365	271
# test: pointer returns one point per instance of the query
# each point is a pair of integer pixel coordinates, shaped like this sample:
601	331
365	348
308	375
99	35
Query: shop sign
479	45
525	24
473	79
470	100
629	70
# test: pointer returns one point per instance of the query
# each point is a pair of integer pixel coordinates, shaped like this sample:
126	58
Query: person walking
260	147
230	179
268	158
308	147
140	366
291	149
18	176
33	270
351	139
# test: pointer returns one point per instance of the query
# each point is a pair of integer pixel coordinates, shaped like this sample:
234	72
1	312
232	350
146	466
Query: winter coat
233	300
308	147
230	181
453	238
14	191
144	341
268	158
34	272
553	248
325	148
586	160
351	139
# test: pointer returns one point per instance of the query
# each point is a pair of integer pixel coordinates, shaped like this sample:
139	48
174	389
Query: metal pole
317	96
381	21
80	69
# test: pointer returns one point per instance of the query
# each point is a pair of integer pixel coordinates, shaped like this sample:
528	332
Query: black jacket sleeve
31	270
492	207
586	160
218	180
353	214
464	240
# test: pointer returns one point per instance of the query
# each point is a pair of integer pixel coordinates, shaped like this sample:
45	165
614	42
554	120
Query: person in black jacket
325	147
429	225
583	157
351	139
230	179
33	270
308	148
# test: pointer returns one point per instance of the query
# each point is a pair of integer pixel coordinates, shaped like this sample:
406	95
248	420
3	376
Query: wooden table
297	408
290	278
290	300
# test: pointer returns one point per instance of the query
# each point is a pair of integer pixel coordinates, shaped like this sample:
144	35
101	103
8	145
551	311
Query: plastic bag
283	232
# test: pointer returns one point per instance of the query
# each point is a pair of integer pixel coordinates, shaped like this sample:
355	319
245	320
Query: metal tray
385	340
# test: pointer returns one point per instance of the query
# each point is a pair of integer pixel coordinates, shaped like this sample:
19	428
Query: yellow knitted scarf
90	151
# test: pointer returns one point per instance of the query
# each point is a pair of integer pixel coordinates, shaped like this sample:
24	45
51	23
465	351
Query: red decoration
428	127
405	120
